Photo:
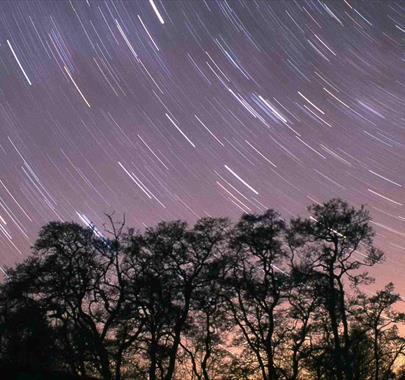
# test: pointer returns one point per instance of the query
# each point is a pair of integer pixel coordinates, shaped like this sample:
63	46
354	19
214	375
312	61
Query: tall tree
257	284
75	276
204	340
334	243
168	266
301	306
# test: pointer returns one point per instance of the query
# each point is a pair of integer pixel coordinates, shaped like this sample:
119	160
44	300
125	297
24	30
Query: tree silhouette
335	243
26	339
75	276
258	285
261	298
170	268
375	317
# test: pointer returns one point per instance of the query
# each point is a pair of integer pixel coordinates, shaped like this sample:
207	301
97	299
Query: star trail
184	109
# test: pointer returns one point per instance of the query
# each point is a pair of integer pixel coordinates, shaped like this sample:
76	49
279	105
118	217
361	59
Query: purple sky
182	109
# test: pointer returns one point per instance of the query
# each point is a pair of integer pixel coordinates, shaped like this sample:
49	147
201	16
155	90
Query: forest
259	298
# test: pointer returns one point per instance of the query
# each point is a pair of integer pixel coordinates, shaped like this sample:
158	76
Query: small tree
376	317
27	341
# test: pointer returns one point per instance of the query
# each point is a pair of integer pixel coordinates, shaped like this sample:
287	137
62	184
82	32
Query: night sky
183	109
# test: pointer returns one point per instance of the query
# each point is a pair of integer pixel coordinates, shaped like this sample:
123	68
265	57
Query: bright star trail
183	109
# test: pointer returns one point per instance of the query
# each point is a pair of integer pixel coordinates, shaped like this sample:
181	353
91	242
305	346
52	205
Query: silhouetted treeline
258	299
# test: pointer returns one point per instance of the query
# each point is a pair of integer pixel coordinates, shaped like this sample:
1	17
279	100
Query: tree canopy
262	298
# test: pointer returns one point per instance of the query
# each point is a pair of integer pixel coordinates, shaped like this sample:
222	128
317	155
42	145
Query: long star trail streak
147	32
178	128
241	179
76	86
169	110
159	16
19	63
209	131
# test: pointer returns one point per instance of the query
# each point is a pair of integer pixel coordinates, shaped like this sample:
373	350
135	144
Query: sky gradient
183	109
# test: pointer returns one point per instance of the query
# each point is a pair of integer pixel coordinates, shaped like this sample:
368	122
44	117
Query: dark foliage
259	299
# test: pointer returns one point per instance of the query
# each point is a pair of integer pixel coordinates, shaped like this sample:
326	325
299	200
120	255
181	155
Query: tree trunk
376	356
153	359
104	361
331	306
173	353
271	370
177	334
118	364
105	369
207	347
295	366
348	364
